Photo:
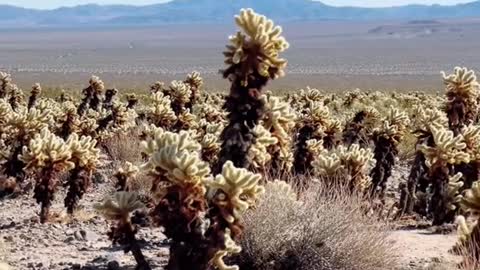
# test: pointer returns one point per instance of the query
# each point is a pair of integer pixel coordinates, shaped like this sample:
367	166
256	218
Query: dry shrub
469	260
406	147
123	147
326	230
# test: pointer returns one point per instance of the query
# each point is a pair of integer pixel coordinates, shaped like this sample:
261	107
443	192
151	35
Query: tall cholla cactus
86	158
253	59
119	209
46	155
418	179
5	81
200	214
92	96
462	98
32	100
448	150
386	139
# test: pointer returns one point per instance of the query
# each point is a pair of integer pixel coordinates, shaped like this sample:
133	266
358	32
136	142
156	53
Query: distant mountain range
219	11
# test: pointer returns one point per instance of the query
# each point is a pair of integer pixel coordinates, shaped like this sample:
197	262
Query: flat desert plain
329	55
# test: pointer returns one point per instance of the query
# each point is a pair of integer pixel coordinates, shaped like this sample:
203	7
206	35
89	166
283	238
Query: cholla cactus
36	90
160	112
255	51
316	123
418	180
92	96
347	164
199	223
258	153
386	140
86	158
448	150
17	98
109	98
132	100
280	120
252	59
195	81
119	208
462	97
359	128
46	155
125	175
5	81
68	122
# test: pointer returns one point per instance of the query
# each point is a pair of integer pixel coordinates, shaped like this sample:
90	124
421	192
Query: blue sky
47	4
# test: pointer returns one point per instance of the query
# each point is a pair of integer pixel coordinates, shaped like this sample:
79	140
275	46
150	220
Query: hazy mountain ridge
215	11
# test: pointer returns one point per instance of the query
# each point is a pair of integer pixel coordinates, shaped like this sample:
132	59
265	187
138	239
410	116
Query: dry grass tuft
325	230
123	147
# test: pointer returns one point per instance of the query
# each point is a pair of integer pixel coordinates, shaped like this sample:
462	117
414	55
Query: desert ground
334	56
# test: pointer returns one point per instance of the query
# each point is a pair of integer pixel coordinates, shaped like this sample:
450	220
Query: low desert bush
123	147
324	229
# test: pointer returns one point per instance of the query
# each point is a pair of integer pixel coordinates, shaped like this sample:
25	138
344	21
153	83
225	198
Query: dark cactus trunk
302	157
32	101
77	184
384	153
245	110
439	204
417	179
354	130
44	192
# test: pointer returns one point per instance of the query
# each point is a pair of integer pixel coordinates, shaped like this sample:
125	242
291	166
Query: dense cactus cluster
206	155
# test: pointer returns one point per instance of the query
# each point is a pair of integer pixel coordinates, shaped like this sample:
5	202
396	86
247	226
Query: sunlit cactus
16	98
5	81
462	94
196	211
119	209
255	51
253	59
347	166
46	156
160	112
258	153
87	159
195	81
